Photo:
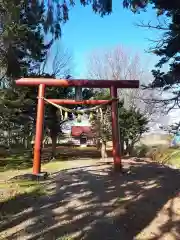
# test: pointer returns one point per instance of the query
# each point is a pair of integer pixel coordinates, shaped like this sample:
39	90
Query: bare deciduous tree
58	62
120	64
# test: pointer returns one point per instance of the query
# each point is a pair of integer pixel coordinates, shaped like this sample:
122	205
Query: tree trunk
103	151
45	141
29	141
122	145
9	137
26	142
98	144
127	147
130	148
54	140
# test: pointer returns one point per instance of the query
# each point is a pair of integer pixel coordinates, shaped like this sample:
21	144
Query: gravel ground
92	202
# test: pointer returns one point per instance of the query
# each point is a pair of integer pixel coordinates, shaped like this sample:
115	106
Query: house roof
77	131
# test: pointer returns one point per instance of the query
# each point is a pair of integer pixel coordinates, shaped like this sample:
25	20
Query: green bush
141	151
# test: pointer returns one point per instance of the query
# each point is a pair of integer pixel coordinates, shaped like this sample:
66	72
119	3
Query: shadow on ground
72	153
94	203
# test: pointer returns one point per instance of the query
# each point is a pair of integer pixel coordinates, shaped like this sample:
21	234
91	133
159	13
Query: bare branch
59	64
119	63
150	26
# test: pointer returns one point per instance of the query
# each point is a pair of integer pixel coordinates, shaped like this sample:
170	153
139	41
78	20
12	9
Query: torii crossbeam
113	85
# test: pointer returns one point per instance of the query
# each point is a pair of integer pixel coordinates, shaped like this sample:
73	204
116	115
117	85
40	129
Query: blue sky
85	31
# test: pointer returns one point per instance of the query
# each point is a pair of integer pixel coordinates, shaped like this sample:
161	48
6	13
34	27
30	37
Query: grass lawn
14	165
21	163
9	189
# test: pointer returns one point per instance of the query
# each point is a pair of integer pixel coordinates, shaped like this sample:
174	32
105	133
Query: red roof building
78	131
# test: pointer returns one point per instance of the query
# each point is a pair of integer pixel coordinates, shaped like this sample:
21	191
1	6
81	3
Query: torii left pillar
39	131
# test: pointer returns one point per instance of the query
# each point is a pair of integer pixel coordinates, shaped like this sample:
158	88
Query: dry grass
161	154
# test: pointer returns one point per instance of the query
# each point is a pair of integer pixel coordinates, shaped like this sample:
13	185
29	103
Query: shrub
141	151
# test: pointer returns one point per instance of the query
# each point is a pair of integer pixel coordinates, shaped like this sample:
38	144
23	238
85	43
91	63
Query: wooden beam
78	82
74	102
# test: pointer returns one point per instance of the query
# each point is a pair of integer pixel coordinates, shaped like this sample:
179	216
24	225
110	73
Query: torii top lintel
78	82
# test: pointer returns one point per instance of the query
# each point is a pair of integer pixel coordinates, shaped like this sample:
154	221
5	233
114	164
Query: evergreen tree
167	48
22	45
23	50
132	125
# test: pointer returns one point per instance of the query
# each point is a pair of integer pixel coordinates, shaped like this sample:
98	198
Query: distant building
83	134
79	133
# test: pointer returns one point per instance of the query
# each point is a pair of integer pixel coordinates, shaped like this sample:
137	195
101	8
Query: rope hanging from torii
81	111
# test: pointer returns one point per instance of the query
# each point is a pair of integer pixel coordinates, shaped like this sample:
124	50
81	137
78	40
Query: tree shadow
72	153
92	203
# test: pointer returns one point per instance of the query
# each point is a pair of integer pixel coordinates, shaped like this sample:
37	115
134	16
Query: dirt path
92	202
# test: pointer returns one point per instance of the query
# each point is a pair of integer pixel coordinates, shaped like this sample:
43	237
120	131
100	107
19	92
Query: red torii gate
113	85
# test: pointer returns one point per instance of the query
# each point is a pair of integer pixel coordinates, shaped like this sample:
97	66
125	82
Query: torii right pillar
115	131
